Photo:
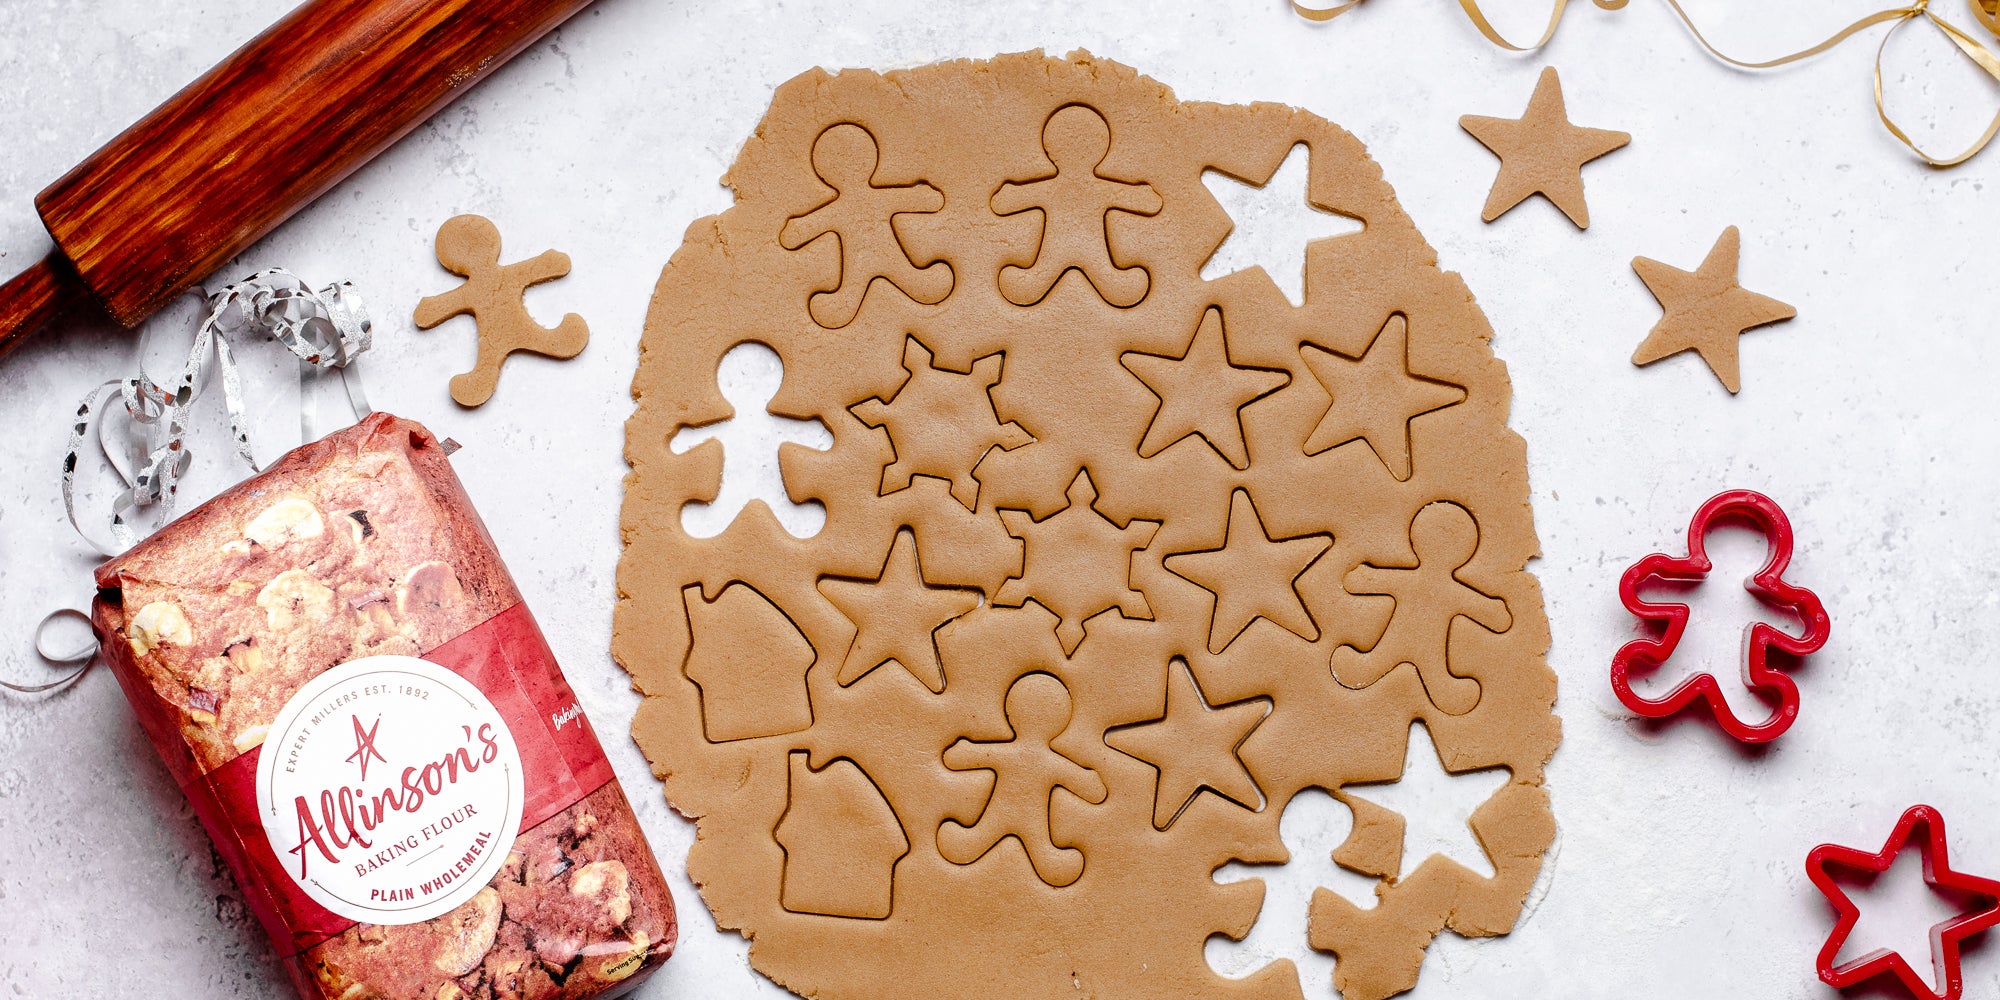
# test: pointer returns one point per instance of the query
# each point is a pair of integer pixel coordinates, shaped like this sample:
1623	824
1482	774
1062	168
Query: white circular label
390	789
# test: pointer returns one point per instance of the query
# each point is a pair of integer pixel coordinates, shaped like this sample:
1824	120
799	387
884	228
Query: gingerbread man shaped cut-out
469	246
1444	537
1076	204
861	218
1026	773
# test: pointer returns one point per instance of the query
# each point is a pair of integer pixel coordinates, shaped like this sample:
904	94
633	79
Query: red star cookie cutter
1643	655
1945	937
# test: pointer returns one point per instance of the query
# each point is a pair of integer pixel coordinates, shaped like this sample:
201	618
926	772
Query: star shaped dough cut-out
1272	224
1193	746
1945	937
896	616
1376	396
1202	393
1541	153
941	423
1705	310
1252	576
1076	563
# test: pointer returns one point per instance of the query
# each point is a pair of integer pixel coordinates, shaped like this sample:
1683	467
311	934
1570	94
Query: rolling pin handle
35	296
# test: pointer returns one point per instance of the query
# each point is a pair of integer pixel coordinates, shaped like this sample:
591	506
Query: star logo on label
364	745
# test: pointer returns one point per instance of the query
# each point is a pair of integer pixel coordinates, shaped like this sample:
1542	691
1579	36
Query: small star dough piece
1705	310
1541	153
469	245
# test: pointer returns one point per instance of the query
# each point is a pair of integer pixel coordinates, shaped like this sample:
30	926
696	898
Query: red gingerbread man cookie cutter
1945	936
1644	655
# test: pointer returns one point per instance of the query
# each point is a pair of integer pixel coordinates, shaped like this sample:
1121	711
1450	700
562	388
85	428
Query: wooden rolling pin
235	153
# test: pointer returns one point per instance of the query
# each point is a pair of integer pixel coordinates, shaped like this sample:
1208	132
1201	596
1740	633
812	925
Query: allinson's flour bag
337	668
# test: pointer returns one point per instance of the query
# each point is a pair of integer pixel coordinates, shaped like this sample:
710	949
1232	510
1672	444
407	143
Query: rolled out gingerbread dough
1116	560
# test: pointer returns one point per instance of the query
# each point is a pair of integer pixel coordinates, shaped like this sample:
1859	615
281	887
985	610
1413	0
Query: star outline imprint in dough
896	616
1247	544
1391	396
1194	746
1202	393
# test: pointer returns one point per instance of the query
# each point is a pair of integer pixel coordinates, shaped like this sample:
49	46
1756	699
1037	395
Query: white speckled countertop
1680	866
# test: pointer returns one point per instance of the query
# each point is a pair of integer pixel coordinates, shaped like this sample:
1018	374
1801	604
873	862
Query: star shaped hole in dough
1376	397
1202	393
1705	310
1541	153
1193	746
896	616
1274	222
1436	805
1252	576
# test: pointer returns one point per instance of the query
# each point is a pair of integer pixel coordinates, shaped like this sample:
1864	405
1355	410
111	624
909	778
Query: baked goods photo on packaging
340	673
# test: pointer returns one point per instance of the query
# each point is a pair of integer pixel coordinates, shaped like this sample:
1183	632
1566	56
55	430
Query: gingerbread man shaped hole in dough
749	376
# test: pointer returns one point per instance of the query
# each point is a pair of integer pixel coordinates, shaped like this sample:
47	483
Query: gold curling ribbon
1478	18
1986	12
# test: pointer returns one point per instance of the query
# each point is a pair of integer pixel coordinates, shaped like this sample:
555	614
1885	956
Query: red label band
507	658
